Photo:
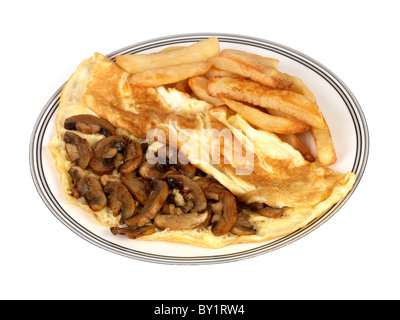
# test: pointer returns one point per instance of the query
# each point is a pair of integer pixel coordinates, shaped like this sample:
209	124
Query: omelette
271	177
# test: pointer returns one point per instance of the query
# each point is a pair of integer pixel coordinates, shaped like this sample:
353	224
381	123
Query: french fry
215	72
324	145
250	58
198	85
300	88
293	140
287	102
258	72
297	144
170	48
198	52
167	75
322	137
264	120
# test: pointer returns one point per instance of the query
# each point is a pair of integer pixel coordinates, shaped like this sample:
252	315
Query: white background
355	255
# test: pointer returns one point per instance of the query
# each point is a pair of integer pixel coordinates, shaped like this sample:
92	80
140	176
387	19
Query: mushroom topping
210	187
133	232
190	191
104	152
108	147
88	187
133	157
156	200
187	221
243	226
170	208
266	211
187	169
87	123
78	149
165	153
138	187
120	201
223	220
155	171
101	166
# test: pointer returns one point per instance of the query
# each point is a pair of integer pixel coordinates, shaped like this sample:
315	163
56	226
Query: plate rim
359	165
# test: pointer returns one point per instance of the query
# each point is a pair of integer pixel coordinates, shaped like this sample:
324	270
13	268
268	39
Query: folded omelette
275	174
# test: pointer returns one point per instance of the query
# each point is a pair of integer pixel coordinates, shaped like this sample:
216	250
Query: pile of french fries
251	85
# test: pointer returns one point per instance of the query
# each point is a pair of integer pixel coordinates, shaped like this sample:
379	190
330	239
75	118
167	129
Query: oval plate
342	112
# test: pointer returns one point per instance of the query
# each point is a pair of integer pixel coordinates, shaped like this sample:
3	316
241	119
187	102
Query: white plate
340	108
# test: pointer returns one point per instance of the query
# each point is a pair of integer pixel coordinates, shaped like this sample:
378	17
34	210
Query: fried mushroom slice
187	221
101	166
134	232
90	124
187	169
210	187
169	155
170	208
133	157
190	190
243	226
88	187
155	171
138	187
78	149
267	211
156	201
223	221
120	201
108	147
104	152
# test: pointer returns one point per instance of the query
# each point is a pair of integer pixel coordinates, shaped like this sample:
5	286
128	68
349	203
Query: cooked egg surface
279	175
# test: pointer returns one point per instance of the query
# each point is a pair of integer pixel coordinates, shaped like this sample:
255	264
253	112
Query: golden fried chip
215	72
322	137
167	75
265	121
170	48
300	88
324	144
199	87
198	52
261	73
250	58
287	102
296	143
